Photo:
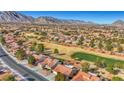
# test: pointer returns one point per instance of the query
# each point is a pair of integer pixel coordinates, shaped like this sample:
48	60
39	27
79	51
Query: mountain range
12	16
118	23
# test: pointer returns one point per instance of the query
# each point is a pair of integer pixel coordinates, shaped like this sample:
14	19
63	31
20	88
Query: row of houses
72	72
11	43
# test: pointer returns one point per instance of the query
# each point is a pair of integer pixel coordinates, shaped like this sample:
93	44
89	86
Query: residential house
49	63
82	76
68	72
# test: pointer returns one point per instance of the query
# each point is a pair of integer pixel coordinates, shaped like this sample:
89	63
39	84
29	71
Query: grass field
68	51
93	58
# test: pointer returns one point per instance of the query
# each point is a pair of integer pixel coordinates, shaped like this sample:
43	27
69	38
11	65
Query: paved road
25	72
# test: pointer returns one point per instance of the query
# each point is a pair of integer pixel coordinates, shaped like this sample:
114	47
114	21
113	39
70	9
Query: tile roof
77	65
63	69
49	62
94	78
37	57
82	76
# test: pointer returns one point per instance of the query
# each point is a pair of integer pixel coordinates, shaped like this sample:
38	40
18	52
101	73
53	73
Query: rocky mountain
52	20
12	16
118	23
47	20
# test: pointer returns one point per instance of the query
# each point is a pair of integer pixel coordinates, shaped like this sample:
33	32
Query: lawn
93	58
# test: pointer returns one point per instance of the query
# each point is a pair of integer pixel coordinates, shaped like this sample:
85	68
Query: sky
101	17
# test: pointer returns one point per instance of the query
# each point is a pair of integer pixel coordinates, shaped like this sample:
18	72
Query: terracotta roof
49	62
82	76
77	65
94	78
63	69
37	57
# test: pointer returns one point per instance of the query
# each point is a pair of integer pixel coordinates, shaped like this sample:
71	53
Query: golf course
93	58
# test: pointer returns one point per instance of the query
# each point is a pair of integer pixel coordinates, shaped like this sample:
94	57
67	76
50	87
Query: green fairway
93	58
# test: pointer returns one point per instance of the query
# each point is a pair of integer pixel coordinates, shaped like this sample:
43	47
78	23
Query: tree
100	64
9	78
39	48
43	33
117	79
85	67
20	54
112	70
20	42
60	77
118	65
92	44
120	48
80	40
31	59
56	51
100	45
32	48
2	40
109	46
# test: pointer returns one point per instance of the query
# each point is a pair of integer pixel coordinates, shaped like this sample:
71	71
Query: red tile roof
63	69
77	65
37	57
94	78
49	62
82	76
